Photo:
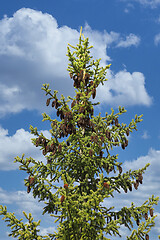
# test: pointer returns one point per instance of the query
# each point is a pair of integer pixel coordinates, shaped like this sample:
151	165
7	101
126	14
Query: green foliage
19	229
78	154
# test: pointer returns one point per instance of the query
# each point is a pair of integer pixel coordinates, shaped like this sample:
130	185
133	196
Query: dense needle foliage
77	156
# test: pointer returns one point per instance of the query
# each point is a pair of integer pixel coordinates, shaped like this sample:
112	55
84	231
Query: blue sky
33	46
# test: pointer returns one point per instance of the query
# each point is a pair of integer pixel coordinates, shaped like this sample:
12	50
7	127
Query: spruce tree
77	156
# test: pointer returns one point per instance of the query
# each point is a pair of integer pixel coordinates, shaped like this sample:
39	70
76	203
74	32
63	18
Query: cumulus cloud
33	51
23	201
157	39
131	40
124	88
16	145
107	39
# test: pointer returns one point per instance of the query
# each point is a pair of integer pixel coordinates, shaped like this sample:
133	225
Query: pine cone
127	131
146	216
126	142
62	199
135	185
37	142
130	188
28	189
91	84
140	178
31	180
80	75
59	147
66	186
73	103
106	185
137	221
48	102
151	212
86	78
123	146
116	122
93	93
53	103
120	169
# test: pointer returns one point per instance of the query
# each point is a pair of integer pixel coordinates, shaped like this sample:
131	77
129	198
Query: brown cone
146	216
116	122
106	185
62	199
151	212
93	93
135	185
31	180
123	146
66	186
48	102
120	169
126	142
137	221
28	189
59	147
130	188
127	132
53	103
73	103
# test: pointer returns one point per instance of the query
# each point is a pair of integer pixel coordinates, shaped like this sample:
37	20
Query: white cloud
124	88
157	39
33	51
151	3
107	39
45	231
147	3
16	145
131	40
145	135
22	200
